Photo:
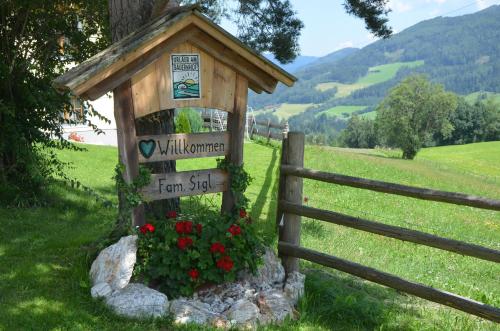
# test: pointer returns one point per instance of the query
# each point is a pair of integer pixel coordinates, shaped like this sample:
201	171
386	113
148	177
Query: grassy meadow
341	111
44	255
286	110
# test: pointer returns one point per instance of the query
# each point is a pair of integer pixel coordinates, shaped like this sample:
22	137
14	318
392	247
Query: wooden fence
290	210
265	129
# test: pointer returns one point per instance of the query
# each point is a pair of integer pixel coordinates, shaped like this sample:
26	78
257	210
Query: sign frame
186	75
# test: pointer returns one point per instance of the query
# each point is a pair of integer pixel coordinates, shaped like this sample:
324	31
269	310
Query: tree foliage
413	112
34	50
359	133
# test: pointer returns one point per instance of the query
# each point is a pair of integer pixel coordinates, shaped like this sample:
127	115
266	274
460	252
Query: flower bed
179	254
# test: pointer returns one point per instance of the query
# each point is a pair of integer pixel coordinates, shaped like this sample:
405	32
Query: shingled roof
119	62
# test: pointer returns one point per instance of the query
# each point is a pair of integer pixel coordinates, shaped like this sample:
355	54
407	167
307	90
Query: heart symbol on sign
147	147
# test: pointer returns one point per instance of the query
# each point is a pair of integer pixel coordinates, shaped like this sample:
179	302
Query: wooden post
126	136
293	154
236	126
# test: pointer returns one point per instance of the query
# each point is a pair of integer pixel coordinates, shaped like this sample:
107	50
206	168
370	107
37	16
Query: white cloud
400	6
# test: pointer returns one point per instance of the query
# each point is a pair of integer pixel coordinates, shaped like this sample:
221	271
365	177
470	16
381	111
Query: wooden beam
236	127
391	188
426	292
234	60
127	147
391	231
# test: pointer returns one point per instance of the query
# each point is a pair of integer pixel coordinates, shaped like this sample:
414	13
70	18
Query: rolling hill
459	52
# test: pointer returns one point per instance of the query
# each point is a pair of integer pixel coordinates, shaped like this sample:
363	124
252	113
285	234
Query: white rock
192	311
138	300
115	264
274	306
294	287
243	314
270	274
101	290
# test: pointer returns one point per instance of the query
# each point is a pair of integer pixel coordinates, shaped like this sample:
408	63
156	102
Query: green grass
286	110
44	265
370	115
341	111
375	75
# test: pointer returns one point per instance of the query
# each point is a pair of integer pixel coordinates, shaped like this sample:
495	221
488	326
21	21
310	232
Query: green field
341	111
286	110
44	264
375	75
472	97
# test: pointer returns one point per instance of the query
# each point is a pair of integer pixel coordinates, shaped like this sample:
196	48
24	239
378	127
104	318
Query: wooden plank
223	80
145	90
154	148
236	126
290	232
391	188
127	148
426	292
185	183
395	232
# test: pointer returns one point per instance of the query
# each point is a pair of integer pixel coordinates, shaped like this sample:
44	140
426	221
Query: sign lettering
186	183
182	146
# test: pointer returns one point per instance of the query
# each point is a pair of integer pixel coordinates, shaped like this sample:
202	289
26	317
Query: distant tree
359	133
412	113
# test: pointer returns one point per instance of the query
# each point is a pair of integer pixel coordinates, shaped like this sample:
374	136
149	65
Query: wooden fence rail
266	132
290	210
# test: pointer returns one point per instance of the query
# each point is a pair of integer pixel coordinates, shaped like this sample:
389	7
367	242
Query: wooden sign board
186	183
166	147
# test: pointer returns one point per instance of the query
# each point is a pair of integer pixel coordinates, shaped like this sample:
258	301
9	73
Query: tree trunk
125	17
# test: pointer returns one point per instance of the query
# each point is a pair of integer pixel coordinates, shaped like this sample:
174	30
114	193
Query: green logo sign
185	76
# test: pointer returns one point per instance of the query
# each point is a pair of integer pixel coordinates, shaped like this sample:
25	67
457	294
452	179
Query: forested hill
460	52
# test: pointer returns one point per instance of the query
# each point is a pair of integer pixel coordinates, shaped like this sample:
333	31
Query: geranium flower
217	247
188	227
171	214
225	263
243	213
148	227
234	230
184	242
179	227
199	227
194	274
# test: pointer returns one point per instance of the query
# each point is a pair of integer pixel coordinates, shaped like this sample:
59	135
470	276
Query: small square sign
185	76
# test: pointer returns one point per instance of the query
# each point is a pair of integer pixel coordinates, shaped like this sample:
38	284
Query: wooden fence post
268	130
290	189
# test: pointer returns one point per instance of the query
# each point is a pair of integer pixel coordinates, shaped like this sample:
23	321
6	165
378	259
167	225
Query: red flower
234	230
179	227
193	273
148	227
225	263
243	213
171	214
199	227
184	242
188	227
217	247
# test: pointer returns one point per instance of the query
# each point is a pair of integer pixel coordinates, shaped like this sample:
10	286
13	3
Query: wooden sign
166	147
185	76
186	183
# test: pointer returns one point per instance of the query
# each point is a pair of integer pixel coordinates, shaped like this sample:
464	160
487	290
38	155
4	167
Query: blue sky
328	27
